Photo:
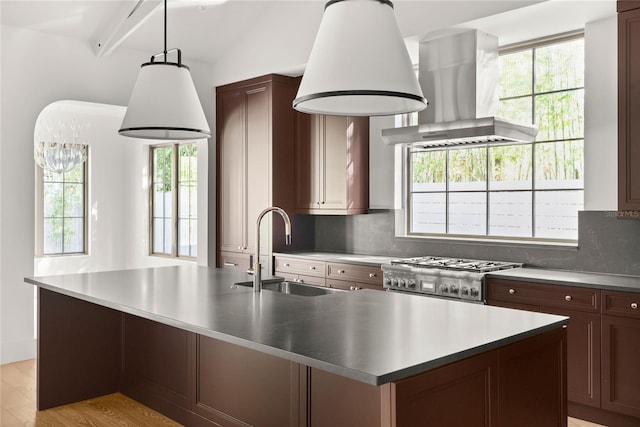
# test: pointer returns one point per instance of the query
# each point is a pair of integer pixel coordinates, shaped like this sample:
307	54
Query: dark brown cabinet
629	107
331	164
582	305
255	130
348	277
621	353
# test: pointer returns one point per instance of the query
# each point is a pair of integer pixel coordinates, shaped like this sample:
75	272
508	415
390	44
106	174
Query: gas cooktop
459	264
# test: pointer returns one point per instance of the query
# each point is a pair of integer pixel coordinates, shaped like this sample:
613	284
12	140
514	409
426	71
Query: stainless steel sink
295	288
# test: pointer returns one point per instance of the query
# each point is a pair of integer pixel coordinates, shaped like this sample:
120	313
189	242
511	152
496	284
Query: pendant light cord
165	30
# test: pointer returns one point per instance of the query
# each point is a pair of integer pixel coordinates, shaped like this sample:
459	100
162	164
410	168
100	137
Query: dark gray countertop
559	277
371	336
574	278
368	260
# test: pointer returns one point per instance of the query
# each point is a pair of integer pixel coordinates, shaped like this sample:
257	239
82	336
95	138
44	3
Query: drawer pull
512	291
312	268
286	264
300	280
372	275
568	298
354	288
340	271
634	305
230	264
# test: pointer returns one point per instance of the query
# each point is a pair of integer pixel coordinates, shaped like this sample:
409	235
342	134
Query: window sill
489	241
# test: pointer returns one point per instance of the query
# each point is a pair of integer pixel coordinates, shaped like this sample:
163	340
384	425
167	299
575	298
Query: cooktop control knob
454	290
401	283
474	292
411	284
464	291
387	281
444	288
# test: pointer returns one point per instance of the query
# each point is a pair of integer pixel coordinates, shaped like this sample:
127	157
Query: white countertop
371	336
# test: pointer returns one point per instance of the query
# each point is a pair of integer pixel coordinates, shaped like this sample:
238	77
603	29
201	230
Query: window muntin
62	216
174	200
524	191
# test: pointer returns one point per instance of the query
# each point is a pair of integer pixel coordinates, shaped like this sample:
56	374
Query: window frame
407	173
175	199
39	241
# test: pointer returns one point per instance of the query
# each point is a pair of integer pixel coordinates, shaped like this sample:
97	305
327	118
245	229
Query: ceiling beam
128	18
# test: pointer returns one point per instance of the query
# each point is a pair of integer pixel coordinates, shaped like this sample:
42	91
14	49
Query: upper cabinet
331	164
255	131
628	106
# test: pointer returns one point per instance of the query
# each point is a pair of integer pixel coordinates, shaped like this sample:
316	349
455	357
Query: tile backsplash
606	244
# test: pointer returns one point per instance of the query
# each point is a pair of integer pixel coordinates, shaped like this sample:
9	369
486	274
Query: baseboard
601	416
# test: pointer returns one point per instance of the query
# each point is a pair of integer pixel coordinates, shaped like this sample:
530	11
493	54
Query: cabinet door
620	366
258	179
231	143
307	162
583	356
237	386
333	162
463	393
629	110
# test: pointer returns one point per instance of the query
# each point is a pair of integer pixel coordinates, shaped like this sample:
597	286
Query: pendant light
164	103
359	64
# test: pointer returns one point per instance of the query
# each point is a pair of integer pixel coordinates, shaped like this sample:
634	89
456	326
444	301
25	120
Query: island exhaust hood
459	78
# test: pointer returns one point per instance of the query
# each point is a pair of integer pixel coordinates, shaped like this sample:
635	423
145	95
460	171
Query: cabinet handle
340	271
286	264
634	305
300	280
230	264
568	298
512	291
322	203
354	288
372	275
239	248
312	268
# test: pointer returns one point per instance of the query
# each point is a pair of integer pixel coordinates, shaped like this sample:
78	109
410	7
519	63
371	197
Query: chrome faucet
257	272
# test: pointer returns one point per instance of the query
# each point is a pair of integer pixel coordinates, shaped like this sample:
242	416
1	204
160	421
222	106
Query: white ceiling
205	30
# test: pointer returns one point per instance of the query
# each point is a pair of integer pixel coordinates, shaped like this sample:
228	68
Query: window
524	191
174	224
62	207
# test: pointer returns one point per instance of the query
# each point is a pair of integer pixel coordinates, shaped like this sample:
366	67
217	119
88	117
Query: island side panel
532	381
78	350
237	386
156	367
463	393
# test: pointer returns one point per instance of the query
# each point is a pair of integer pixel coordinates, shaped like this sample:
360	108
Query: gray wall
606	244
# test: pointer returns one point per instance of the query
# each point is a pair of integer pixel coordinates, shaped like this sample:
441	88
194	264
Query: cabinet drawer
352	286
626	304
235	260
355	273
300	266
301	278
572	297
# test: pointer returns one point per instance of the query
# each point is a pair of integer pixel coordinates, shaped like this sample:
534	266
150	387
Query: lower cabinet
583	333
621	353
349	277
236	386
603	345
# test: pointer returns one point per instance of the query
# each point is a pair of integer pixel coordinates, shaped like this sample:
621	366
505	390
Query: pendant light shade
359	64
164	103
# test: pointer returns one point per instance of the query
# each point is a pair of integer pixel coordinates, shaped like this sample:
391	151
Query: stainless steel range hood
459	77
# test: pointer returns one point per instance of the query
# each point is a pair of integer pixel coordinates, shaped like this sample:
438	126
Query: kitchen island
193	344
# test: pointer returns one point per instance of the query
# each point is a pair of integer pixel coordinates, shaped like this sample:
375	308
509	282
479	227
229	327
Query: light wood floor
18	406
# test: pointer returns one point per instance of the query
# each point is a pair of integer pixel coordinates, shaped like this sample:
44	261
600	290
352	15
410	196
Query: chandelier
62	150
